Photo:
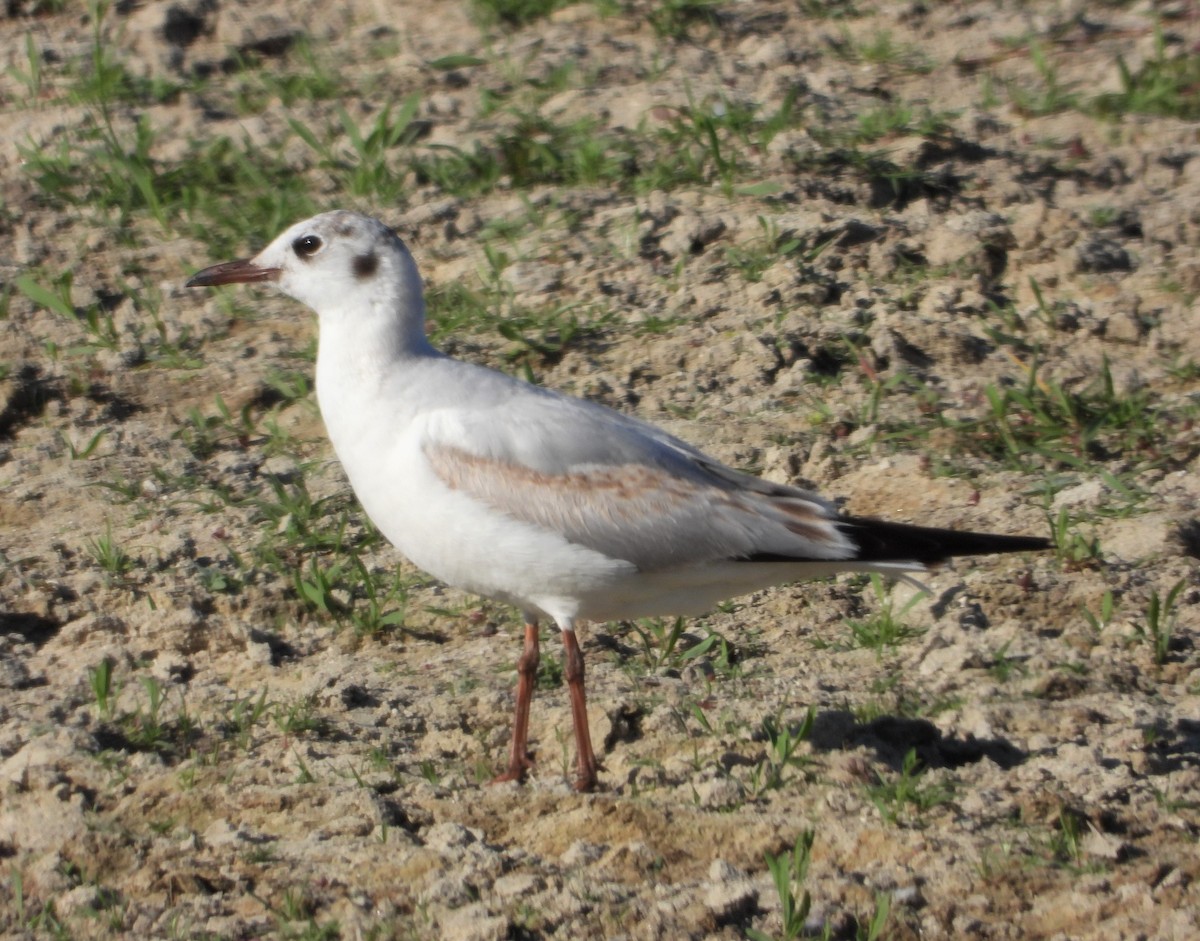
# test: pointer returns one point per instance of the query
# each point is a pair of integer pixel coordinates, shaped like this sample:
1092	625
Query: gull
560	507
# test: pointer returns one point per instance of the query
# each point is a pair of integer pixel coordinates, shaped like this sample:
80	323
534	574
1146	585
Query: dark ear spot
365	265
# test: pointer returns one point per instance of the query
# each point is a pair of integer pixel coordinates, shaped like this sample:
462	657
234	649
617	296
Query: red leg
585	774
518	760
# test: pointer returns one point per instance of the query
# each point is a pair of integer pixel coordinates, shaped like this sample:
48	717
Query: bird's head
329	263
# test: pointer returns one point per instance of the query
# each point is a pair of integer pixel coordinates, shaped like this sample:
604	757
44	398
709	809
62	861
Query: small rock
1104	846
971	615
581	853
14	674
531	277
1099	254
443	836
1124	326
965	234
1088	494
282	467
765	52
221	833
731	901
81	900
451	890
160	33
257	32
1139	537
516	885
690	233
719	793
472	923
908	896
720	870
1172	879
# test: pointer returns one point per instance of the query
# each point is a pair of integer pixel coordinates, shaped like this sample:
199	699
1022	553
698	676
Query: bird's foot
586	777
515	771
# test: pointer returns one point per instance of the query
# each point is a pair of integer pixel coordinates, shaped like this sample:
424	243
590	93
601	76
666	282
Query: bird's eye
306	246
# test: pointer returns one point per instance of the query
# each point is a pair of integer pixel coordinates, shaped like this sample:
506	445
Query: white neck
364	344
366	327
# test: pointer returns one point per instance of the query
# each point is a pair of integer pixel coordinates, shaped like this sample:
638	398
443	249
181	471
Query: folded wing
631	491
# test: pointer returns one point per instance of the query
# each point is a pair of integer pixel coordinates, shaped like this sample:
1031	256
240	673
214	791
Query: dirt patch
938	260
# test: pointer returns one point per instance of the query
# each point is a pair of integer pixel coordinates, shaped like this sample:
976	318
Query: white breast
450	534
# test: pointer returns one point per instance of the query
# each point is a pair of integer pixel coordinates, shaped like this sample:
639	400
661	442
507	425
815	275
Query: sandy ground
283	749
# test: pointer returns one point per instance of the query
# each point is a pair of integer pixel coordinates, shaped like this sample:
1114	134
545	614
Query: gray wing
620	486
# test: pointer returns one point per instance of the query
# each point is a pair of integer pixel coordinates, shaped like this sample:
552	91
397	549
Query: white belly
468	544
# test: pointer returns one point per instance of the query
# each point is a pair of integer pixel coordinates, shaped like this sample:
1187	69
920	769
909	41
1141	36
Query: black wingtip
880	541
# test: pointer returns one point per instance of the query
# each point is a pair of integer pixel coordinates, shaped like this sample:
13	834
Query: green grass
294	552
908	791
535	336
100	678
456	310
781	756
110	166
550	673
675	19
701	143
147	727
900	118
887	182
307	76
664	644
242	716
299	717
881	49
1157	627
829	9
1073	547
715	141
1004	666
545	335
1167	86
1065	843
220	193
362	161
887	627
351	594
1068	429
31	76
1100	619
102	81
295	914
789	872
535	151
892	697
318	551
514	12
54	294
112	559
1050	95
229	194
752	259
1038	423
302	526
